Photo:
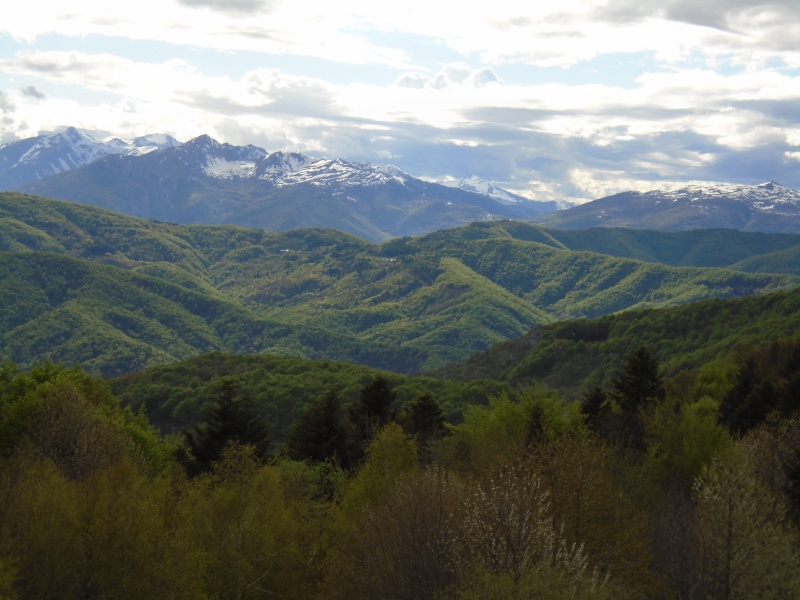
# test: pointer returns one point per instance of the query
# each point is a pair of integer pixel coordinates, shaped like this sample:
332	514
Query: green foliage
747	551
116	294
503	431
639	383
74	420
704	337
682	439
388	457
424	419
319	434
521	500
175	396
232	419
766	381
373	411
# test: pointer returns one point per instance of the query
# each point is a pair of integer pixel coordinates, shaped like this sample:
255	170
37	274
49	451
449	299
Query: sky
573	99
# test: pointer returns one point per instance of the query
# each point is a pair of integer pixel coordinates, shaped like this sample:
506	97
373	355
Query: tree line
651	488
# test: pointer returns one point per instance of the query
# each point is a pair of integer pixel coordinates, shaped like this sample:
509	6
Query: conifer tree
593	406
425	419
748	401
232	419
638	386
373	411
319	434
639	383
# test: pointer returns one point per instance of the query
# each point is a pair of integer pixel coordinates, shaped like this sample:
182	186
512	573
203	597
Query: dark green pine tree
639	383
319	435
373	411
635	388
233	418
748	401
424	418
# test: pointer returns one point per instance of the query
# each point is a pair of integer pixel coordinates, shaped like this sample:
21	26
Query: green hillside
180	393
696	248
115	293
574	355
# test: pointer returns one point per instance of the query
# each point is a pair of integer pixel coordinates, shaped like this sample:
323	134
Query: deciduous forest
685	486
494	411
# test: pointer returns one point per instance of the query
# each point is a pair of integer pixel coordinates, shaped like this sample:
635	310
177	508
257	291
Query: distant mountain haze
204	181
207	182
767	207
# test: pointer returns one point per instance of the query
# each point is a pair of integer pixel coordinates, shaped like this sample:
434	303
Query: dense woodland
117	294
679	487
640	440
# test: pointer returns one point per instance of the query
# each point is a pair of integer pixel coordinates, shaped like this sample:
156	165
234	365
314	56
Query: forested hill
115	294
179	394
573	356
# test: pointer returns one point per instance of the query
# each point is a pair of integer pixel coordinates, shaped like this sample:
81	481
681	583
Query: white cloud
714	94
450	76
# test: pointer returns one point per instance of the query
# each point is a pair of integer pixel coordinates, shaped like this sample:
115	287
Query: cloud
412	80
237	7
31	92
706	90
451	75
7	109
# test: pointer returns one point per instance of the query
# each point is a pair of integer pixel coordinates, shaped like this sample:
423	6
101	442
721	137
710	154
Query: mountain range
205	182
768	207
40	157
115	293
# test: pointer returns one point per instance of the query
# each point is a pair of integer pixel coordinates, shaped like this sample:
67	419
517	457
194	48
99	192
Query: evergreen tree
372	412
425	419
639	383
233	418
638	386
748	401
319	434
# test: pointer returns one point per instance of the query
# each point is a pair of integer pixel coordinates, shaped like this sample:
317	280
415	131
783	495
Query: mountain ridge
208	182
43	156
767	207
408	304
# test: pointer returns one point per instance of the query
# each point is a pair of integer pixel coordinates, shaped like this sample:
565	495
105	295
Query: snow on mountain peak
294	169
479	185
219	167
763	197
63	151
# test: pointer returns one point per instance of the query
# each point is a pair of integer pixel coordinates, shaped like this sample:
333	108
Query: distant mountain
479	185
207	182
767	207
115	293
36	158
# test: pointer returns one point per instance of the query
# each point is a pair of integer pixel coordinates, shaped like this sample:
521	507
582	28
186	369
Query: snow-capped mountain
479	185
29	160
767	207
765	197
205	181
